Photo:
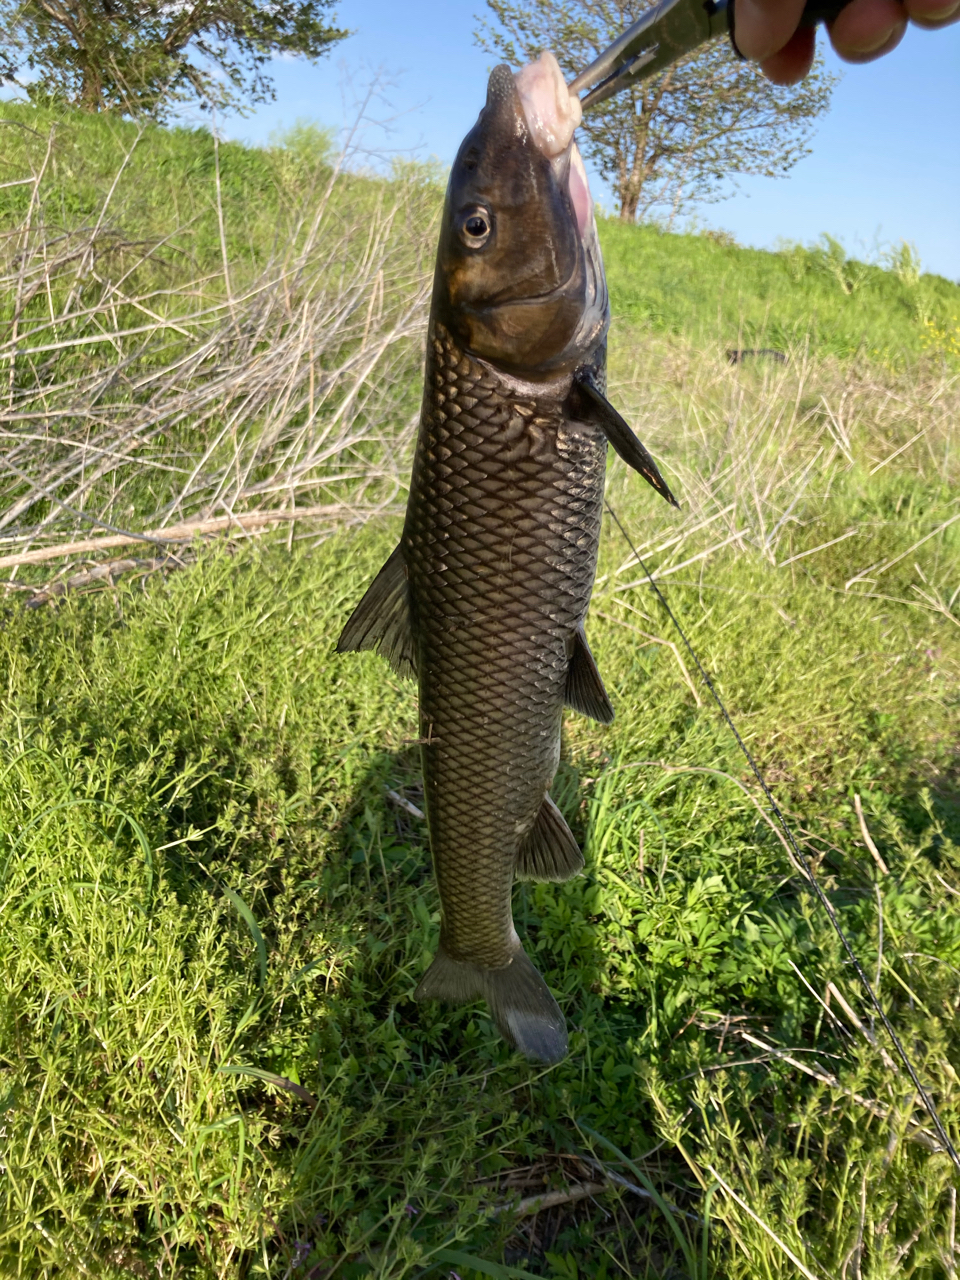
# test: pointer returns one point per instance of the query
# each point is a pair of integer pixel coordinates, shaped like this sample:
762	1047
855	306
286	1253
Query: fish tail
526	1014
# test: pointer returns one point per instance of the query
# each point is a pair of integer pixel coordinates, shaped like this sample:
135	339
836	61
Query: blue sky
885	163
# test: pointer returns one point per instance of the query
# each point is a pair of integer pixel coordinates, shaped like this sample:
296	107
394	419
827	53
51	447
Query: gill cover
513	280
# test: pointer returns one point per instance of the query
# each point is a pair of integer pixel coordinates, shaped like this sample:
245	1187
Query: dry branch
152	407
552	1199
102	573
656	640
246	523
867	839
403	803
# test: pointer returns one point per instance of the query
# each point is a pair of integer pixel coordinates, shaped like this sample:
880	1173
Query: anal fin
548	850
593	406
585	692
382	621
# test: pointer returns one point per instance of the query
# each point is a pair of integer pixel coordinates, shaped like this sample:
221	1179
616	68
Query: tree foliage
675	140
141	56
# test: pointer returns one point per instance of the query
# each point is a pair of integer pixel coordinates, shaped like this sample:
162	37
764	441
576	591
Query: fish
484	599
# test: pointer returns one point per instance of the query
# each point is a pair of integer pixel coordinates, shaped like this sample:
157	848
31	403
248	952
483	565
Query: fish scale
500	546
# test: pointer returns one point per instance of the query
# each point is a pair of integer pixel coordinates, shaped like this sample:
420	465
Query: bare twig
876	570
867	1034
801	555
804	1270
921	1136
244	523
551	1199
403	803
867	840
102	573
612	1176
656	640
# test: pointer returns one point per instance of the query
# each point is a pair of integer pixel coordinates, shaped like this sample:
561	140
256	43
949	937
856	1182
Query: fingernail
939	15
875	45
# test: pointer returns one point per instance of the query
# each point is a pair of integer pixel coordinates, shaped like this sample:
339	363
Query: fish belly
500	547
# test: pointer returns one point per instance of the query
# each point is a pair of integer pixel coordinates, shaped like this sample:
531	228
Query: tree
143	55
675	140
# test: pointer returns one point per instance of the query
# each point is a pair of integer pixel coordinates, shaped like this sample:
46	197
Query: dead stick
403	803
837	994
173	533
867	840
550	1199
831	1081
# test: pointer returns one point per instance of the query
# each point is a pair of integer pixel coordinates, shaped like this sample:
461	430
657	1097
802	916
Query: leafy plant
139	58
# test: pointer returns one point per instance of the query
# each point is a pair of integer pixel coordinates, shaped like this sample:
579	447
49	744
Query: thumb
764	26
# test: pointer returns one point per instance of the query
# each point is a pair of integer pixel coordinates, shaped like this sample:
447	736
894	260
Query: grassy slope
201	887
723	294
167	180
683	284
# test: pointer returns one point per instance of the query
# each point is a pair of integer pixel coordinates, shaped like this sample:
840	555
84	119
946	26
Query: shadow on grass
448	1112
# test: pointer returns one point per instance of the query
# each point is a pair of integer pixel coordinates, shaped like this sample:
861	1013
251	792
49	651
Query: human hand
864	30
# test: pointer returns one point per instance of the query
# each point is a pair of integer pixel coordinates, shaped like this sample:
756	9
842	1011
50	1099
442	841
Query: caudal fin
526	1014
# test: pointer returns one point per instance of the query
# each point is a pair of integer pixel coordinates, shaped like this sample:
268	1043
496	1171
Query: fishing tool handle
814	12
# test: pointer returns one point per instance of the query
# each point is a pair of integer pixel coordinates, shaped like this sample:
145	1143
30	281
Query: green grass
719	293
166	184
211	1064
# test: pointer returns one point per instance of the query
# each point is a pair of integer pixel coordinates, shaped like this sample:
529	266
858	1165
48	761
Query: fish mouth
552	114
540	323
570	285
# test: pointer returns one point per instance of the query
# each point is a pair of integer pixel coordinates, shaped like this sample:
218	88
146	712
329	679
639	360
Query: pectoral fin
593	406
585	692
548	850
382	620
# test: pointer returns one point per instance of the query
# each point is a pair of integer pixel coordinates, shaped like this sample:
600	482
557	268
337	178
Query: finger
794	60
866	29
931	14
764	26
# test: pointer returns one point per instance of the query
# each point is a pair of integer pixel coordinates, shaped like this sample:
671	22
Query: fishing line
801	859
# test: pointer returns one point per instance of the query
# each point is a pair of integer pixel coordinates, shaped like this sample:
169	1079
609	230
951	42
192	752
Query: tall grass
718	293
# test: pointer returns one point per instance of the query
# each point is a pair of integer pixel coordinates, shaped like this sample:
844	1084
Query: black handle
814	12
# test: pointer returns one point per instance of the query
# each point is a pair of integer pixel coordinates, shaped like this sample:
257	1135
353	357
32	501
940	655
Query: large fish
484	599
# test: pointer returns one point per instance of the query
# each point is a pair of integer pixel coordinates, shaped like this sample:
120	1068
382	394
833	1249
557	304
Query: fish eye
475	226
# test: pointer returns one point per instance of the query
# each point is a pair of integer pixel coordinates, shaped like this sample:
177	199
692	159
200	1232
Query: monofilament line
801	860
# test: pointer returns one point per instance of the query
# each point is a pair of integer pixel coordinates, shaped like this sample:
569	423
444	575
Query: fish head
520	278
